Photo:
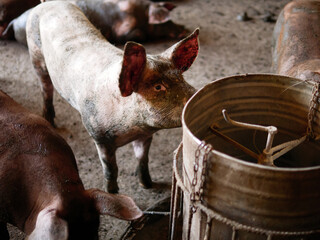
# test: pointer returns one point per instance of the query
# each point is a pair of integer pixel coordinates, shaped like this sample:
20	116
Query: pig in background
119	21
40	189
122	96
296	41
10	9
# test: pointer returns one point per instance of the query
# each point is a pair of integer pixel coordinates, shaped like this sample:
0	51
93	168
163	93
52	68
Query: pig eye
159	87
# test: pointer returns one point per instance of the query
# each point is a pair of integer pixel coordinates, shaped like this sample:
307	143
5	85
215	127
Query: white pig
122	96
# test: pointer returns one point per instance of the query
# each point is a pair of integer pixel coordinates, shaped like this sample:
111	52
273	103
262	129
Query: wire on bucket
312	109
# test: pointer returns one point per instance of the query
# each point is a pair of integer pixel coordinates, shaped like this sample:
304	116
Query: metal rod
175	195
248	125
269	237
172	208
236	144
156	213
189	223
285	147
208	228
234	233
175	212
272	131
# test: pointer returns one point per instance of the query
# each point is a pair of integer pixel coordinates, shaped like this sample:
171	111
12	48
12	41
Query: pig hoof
111	187
146	184
145	179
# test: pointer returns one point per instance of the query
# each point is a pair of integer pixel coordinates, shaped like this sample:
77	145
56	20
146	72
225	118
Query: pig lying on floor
119	21
40	189
122	96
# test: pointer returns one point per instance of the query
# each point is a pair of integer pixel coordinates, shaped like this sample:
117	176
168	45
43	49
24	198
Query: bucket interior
268	100
283	197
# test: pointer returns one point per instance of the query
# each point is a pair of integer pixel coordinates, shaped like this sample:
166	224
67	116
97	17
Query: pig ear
160	13
134	61
115	205
49	226
183	53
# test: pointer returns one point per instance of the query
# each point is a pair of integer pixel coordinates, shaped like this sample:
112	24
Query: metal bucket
233	197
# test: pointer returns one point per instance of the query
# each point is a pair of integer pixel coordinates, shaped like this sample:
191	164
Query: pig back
76	51
34	162
296	36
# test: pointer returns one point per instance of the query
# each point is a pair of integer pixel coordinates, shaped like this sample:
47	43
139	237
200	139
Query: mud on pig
122	96
40	189
119	21
296	41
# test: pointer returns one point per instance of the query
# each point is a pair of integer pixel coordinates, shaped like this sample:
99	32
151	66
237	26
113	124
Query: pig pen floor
227	47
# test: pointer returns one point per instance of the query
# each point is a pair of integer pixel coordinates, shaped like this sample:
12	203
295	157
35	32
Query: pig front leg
141	148
107	156
47	94
39	65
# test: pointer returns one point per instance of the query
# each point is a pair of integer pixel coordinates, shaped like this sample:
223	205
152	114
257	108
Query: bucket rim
231	158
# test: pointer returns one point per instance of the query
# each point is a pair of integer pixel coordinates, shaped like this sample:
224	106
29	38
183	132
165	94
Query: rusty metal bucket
226	193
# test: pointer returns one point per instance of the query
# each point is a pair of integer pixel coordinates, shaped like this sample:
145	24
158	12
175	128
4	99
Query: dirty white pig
118	21
122	96
40	189
296	40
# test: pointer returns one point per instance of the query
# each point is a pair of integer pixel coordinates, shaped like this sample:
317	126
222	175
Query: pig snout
175	107
180	100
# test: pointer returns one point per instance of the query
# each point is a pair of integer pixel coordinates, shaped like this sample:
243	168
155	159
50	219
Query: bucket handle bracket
269	153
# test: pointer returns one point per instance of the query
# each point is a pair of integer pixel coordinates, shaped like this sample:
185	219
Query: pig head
296	40
40	189
122	96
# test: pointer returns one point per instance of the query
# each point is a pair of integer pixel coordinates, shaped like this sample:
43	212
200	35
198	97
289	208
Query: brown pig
40	189
10	9
132	20
296	40
122	96
119	21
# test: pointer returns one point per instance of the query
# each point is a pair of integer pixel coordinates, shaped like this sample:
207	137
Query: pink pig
40	189
296	40
118	21
122	96
132	20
